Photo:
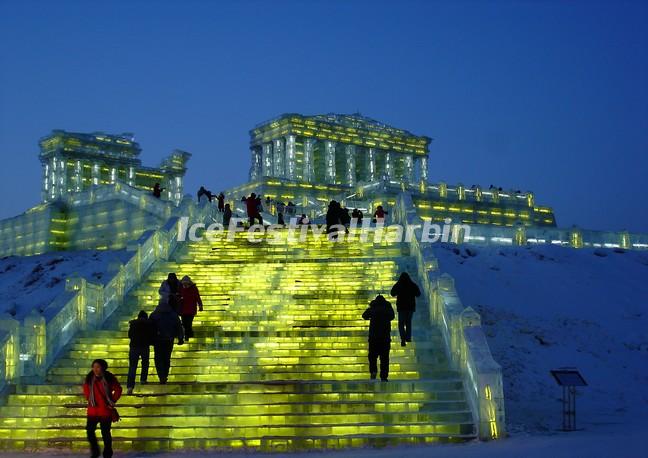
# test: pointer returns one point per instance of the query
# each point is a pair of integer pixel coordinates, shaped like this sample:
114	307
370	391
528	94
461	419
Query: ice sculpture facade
73	162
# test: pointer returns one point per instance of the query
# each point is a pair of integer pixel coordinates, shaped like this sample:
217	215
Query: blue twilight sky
543	96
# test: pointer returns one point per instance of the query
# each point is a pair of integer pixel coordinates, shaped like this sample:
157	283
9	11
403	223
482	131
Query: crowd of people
204	194
172	320
254	207
337	215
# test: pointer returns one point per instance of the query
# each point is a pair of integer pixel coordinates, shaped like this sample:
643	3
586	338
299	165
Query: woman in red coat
191	303
102	390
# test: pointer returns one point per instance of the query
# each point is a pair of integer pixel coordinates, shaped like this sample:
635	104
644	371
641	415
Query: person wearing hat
380	314
191	303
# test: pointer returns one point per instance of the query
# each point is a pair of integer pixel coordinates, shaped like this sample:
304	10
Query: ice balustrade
38	230
30	347
460	326
574	237
458	192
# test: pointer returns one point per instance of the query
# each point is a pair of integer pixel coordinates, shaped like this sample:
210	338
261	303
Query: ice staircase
278	362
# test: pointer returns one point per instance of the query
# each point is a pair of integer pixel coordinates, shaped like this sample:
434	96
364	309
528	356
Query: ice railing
453	193
122	191
31	232
460	326
313	209
30	347
573	237
459	192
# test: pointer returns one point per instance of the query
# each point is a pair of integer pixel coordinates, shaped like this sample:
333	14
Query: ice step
274	444
278	360
209	432
451	382
230	416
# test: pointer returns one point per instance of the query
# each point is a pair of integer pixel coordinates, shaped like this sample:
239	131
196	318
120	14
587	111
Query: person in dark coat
345	218
333	214
380	314
290	209
168	326
259	207
102	390
203	192
170	288
221	202
357	215
141	333
253	207
227	216
406	292
157	190
281	208
191	303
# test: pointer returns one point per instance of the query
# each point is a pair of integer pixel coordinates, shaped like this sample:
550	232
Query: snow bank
545	307
28	282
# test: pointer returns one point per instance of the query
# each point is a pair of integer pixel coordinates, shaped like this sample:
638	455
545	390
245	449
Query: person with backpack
102	391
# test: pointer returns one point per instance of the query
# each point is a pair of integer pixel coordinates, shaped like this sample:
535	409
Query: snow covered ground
28	282
547	307
544	308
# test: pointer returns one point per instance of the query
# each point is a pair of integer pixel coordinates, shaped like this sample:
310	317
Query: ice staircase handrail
30	347
466	343
572	237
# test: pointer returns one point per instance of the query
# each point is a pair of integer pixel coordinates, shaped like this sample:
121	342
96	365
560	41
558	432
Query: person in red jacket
379	214
253	206
191	303
102	390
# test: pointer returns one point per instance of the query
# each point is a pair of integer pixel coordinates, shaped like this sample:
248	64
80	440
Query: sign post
568	378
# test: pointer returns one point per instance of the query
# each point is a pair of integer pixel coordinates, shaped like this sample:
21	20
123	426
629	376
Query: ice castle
279	358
